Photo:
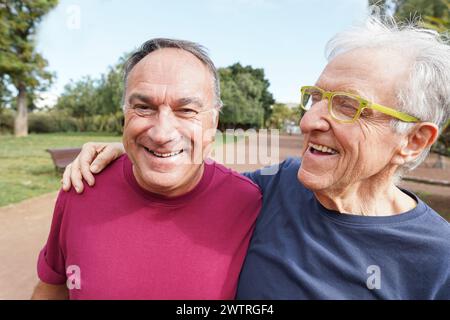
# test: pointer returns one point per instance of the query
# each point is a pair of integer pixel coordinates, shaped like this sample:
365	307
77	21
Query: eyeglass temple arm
393	113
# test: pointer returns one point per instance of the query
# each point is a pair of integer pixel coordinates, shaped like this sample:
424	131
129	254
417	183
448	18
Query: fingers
79	169
66	184
108	153
75	176
87	155
72	176
93	158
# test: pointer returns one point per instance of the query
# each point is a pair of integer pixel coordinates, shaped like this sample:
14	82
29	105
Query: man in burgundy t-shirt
162	222
119	241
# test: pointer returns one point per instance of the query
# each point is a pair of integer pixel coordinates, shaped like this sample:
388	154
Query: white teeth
322	148
165	155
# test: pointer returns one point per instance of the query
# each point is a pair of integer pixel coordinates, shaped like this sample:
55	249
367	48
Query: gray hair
160	43
426	93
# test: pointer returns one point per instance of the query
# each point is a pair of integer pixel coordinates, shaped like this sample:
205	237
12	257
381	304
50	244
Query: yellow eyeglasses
346	107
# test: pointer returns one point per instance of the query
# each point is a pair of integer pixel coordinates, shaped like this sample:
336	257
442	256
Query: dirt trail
23	231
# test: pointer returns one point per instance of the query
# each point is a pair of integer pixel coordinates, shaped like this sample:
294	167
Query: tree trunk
21	121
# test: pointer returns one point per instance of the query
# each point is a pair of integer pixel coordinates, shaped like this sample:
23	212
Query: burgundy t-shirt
119	241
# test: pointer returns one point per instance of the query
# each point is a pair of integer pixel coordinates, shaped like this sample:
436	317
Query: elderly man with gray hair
345	230
334	224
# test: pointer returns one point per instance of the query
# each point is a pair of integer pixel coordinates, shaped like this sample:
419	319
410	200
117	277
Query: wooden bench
63	156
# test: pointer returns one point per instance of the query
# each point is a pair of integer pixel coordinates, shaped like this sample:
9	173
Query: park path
23	231
24	226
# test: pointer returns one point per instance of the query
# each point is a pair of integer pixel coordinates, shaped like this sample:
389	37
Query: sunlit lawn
26	169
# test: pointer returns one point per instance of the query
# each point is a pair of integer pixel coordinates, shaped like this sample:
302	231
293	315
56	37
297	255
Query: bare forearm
45	291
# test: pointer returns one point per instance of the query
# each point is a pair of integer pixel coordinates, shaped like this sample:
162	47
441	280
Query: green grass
26	169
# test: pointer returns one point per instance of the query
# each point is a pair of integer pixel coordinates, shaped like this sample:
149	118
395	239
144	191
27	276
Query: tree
90	96
108	98
20	64
433	14
245	95
96	103
281	114
79	99
440	21
5	95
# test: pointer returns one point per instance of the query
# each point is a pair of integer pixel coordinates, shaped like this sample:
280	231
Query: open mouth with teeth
164	155
319	149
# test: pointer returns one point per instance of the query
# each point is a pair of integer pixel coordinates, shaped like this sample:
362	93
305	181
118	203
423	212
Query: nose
316	118
164	129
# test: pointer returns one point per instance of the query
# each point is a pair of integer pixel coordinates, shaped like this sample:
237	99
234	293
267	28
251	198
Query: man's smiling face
168	147
337	156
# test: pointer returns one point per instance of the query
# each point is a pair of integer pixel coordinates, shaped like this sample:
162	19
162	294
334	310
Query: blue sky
285	37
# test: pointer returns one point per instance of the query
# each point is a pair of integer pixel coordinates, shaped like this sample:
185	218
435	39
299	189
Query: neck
175	191
371	197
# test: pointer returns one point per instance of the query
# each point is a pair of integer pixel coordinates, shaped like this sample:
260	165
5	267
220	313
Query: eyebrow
184	101
179	103
344	90
141	97
352	91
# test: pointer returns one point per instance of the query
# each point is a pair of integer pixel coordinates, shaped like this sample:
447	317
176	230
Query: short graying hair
160	43
426	93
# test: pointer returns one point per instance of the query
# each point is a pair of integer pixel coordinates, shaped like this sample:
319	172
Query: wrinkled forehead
171	68
372	73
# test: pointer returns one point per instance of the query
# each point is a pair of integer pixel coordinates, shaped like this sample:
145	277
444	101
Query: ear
215	123
209	135
422	136
215	118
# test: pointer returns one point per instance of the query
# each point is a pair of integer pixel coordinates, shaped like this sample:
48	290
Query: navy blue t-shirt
301	250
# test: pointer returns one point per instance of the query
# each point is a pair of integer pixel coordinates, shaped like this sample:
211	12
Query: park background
61	86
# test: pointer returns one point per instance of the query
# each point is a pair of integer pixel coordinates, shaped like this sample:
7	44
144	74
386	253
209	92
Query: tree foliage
5	95
95	103
89	96
245	95
20	64
282	115
247	101
79	99
432	14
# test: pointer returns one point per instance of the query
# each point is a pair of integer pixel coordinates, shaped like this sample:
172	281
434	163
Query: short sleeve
261	177
51	261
